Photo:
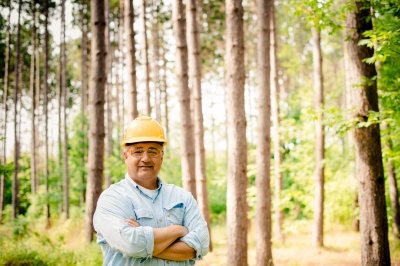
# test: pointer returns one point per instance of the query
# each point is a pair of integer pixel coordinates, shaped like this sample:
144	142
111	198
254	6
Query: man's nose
145	156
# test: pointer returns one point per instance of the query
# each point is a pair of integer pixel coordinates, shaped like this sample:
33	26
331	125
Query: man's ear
124	155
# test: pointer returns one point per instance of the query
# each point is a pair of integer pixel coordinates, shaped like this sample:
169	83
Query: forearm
165	236
178	251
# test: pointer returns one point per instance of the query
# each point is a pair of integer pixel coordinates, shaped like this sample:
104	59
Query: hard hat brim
144	139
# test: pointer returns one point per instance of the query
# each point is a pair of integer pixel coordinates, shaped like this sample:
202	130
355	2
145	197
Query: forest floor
341	248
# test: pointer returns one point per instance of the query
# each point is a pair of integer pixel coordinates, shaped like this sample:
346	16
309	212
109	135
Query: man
142	220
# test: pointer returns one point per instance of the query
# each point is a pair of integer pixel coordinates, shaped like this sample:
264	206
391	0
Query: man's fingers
133	223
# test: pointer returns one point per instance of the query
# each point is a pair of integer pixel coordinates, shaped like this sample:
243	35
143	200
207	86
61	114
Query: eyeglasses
139	153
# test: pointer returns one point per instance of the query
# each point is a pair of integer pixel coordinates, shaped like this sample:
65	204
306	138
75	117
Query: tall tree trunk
263	190
146	59
164	86
5	96
348	88
65	96
59	95
32	89
15	181
156	59
131	57
96	113
109	121
373	217
236	129
187	152
46	116
275	110
318	236
195	81
84	56
119	70
84	93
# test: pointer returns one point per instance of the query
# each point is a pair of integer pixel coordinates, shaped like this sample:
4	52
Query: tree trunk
237	144
263	190
146	59
319	175
348	88
164	86
84	93
131	57
32	89
118	71
15	181
5	96
64	92
108	143
195	81
187	152
156	59
275	100
96	113
373	217
46	116
84	56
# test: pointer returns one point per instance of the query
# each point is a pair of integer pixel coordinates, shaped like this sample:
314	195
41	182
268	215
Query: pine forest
282	119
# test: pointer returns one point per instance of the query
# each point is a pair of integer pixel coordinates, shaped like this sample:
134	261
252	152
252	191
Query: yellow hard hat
143	129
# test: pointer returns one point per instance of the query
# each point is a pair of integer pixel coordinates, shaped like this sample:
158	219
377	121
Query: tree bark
84	92
146	59
64	92
156	59
263	190
109	121
187	152
15	181
32	89
5	96
131	57
237	144
319	175
275	111
46	115
195	81
164	90
373	217
96	113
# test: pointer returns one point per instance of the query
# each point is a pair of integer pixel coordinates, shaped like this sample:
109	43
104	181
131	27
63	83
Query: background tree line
283	110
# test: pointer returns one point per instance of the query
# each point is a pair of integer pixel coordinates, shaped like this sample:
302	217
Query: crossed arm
167	245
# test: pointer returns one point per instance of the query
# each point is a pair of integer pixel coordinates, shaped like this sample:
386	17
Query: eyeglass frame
139	153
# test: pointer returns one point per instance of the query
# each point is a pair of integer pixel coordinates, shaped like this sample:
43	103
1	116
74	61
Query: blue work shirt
123	244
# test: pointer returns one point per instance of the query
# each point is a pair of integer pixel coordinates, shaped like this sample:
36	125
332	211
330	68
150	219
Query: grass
341	247
64	244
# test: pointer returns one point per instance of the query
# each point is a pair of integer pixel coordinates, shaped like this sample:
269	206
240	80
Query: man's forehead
146	145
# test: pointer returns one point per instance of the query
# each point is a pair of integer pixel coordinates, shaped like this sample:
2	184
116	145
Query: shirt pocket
144	217
174	213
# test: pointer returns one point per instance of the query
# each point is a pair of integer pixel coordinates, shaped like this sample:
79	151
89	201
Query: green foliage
319	13
78	152
20	228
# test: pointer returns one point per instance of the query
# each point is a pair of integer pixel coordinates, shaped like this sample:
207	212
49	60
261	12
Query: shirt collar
134	185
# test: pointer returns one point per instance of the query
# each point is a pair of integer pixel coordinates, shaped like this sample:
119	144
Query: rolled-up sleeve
198	237
110	223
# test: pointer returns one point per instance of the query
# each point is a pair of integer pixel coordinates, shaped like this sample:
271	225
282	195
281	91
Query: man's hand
132	222
165	245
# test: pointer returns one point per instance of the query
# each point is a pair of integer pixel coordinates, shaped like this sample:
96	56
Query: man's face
143	161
